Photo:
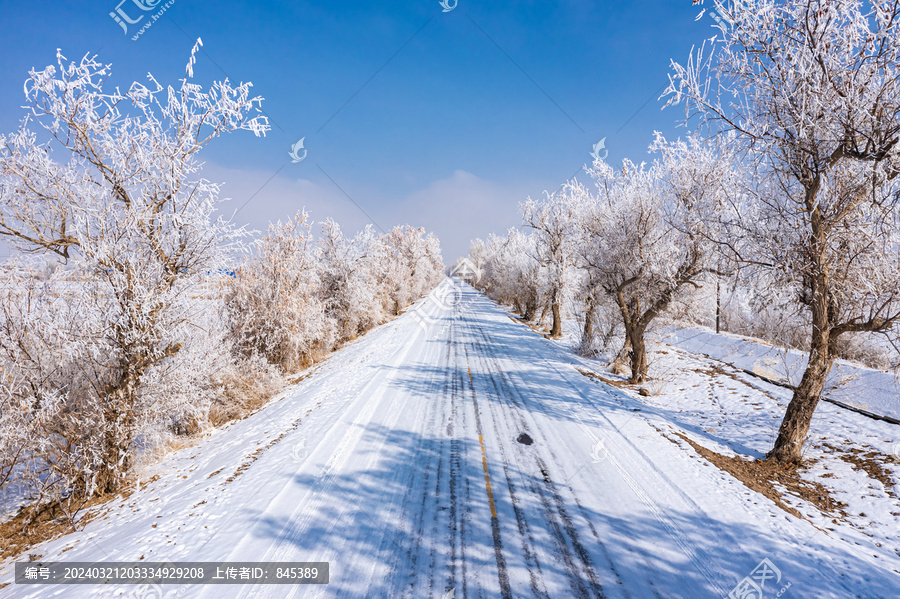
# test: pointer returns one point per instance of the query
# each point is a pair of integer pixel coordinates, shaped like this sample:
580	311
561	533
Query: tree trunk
638	354
634	335
623	355
544	311
119	418
119	423
529	311
587	333
556	329
795	426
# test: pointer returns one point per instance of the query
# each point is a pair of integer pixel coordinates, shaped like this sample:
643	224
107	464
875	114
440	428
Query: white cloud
457	208
461	208
259	198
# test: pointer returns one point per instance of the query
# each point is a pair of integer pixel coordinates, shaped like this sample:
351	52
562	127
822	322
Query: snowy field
397	461
873	390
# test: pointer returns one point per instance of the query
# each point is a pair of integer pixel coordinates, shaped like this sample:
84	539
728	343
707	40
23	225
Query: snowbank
875	391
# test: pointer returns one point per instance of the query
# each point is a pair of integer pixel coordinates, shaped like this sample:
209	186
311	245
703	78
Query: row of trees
630	245
793	183
296	298
144	325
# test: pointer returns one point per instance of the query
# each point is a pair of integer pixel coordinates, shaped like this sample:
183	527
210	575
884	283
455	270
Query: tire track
502	573
415	508
696	555
307	510
564	535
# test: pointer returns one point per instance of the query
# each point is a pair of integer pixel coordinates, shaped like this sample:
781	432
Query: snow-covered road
398	461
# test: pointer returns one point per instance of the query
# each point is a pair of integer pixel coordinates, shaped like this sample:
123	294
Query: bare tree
812	90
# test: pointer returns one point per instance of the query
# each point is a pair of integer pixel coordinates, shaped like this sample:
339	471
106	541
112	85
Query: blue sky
441	119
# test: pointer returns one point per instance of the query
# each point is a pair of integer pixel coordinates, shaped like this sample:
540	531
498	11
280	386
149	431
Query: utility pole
718	305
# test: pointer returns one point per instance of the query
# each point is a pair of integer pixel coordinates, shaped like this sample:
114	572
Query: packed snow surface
400	460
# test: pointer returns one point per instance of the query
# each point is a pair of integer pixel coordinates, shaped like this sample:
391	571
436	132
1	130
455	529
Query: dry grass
244	390
36	524
593	375
763	477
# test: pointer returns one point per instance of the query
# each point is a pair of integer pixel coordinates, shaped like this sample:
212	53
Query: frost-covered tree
476	260
596	303
646	238
296	299
349	279
413	265
811	89
108	181
274	305
553	220
628	248
512	275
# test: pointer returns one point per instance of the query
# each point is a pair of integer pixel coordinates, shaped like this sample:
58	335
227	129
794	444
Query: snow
378	463
872	390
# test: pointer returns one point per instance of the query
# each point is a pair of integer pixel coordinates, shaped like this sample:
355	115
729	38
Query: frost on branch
274	307
294	300
126	326
811	91
552	220
116	342
350	279
513	275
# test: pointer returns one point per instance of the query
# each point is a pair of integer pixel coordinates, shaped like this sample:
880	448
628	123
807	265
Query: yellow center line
487	478
487	474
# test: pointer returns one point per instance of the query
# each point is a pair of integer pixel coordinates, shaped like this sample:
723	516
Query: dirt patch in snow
642	391
34	525
603	379
715	370
763	477
870	463
538	328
